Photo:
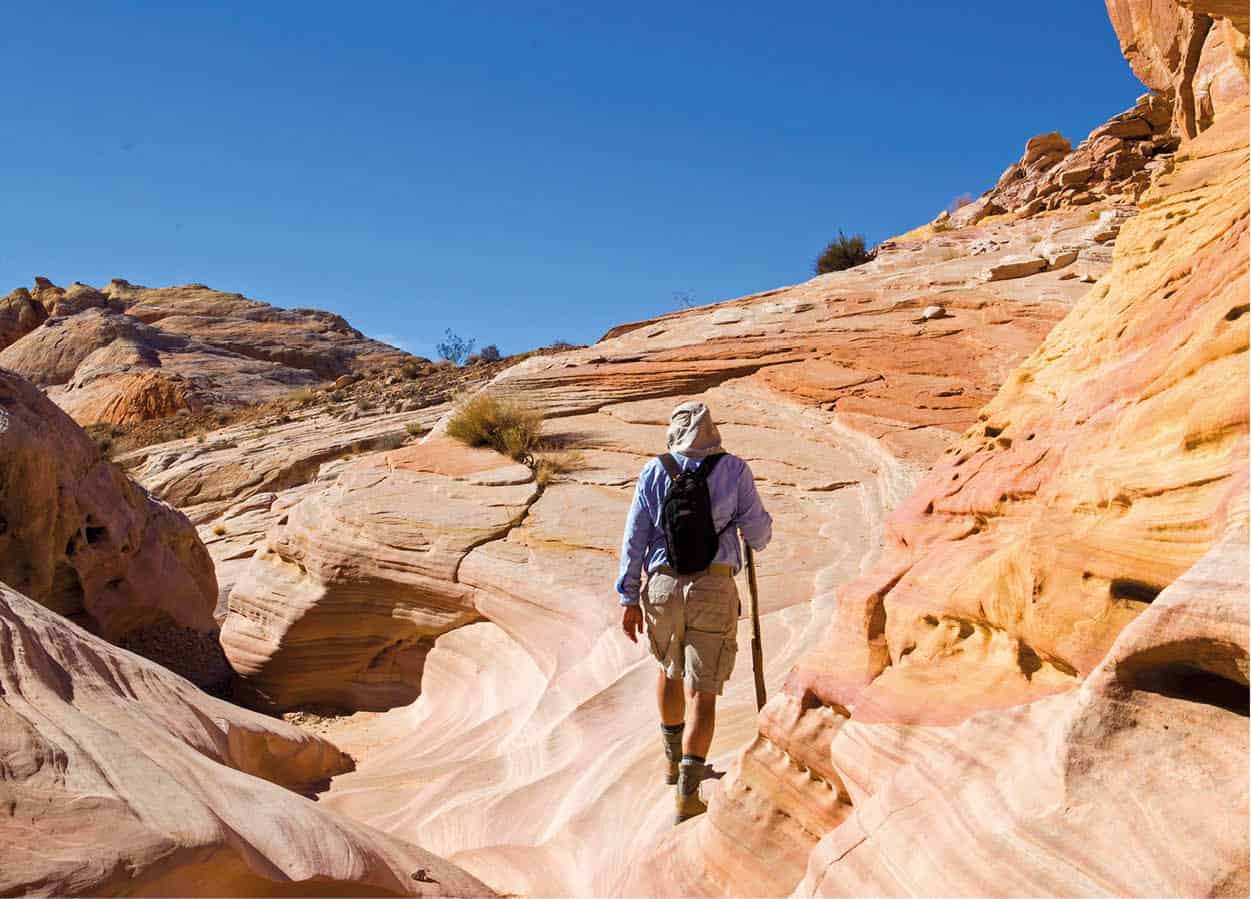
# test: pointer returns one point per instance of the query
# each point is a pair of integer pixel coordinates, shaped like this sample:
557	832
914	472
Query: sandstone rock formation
126	353
1038	685
529	694
1055	593
1037	559
83	540
1114	164
118	777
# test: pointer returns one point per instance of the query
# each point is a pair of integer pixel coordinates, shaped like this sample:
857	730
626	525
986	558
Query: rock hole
96	533
931	620
71	545
810	700
907	650
1237	312
966	630
1030	437
1180	680
877	621
993	432
929	509
1130	589
1027	660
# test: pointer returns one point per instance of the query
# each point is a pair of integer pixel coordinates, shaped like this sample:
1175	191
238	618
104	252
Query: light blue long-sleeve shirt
732	490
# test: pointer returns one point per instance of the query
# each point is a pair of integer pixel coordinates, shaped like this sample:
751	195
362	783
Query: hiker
690	604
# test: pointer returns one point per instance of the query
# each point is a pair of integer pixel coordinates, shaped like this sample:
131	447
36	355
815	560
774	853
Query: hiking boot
687	803
673	754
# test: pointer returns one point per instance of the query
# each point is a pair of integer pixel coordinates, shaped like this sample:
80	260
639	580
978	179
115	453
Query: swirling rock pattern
117	776
1036	560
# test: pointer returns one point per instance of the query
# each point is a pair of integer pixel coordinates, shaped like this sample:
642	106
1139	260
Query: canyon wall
450	571
1041	558
81	538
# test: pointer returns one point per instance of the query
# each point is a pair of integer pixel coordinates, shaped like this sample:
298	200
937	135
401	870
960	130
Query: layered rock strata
837	391
1039	558
118	777
88	543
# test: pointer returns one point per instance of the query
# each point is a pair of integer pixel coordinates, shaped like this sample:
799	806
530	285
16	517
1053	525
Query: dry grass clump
511	426
506	424
547	466
300	398
414	429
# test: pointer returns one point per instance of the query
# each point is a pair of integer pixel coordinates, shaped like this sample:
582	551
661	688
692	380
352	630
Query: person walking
690	505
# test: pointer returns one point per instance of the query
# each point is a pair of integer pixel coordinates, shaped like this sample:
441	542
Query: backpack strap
671	465
708	464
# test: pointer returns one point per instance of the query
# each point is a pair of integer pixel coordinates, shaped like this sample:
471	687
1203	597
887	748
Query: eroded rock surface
118	777
838	392
125	353
1022	617
82	539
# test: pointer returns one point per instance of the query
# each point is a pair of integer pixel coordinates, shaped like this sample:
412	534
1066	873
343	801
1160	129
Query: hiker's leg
703	720
670	699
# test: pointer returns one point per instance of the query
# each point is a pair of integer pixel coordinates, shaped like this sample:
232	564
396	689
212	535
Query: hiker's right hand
632	622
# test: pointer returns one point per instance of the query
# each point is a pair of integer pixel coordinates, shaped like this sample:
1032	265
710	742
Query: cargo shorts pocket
712	606
710	661
663	622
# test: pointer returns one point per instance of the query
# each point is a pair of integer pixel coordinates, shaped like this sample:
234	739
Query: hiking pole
757	656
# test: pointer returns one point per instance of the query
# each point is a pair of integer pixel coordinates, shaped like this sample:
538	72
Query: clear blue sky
516	172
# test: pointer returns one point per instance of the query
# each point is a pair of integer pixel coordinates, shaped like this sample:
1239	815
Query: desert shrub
841	253
454	348
365	404
301	397
411	369
942	223
561	345
414	429
550	464
506	424
490	353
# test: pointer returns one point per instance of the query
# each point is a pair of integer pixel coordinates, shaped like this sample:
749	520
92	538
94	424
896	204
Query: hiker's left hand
632	622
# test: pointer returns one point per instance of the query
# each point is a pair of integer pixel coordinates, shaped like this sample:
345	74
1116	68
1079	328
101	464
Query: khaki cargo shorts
692	624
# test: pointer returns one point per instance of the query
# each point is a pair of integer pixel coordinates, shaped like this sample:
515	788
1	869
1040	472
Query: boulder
1010	267
79	537
121	778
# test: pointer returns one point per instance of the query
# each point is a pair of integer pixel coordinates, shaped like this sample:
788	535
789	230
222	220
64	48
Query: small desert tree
490	353
843	252
453	347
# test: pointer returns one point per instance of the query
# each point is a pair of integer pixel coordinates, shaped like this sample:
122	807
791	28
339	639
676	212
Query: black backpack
691	538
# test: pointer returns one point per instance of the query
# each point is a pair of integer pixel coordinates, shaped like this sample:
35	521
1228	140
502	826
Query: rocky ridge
124	353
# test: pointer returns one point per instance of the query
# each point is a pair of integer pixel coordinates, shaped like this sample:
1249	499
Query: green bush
843	252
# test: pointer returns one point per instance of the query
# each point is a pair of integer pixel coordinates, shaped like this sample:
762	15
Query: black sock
671	730
692	760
